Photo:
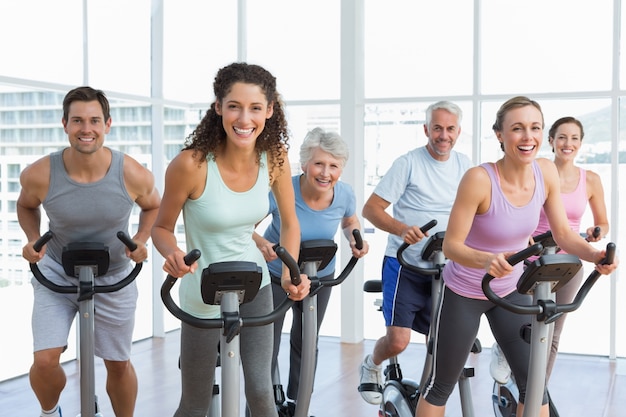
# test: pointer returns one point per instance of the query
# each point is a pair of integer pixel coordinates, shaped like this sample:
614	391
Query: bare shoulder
186	163
36	173
135	174
546	165
594	181
476	176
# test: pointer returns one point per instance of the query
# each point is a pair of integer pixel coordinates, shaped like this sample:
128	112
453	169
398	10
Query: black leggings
457	328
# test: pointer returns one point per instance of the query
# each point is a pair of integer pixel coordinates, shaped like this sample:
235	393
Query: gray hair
329	142
444	105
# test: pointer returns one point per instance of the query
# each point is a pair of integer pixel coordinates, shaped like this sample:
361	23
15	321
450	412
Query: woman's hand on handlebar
265	246
175	264
359	253
296	292
498	266
604	269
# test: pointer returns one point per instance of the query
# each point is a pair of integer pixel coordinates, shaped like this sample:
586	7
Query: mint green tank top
220	223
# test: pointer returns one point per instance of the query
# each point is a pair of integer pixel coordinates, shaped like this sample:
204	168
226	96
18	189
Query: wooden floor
581	385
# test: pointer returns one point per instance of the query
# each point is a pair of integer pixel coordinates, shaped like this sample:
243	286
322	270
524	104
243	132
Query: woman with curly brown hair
220	182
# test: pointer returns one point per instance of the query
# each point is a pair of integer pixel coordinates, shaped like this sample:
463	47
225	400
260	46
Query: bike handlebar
538	309
546	238
70	289
217	323
413	268
349	266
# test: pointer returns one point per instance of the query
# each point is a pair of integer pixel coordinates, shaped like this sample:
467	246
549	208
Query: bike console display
241	277
78	254
558	269
317	250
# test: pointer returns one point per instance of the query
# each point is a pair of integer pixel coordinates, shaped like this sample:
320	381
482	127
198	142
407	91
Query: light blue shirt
314	224
421	189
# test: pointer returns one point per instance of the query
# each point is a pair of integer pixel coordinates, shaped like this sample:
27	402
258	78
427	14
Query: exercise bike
505	396
314	256
400	395
541	277
86	261
229	284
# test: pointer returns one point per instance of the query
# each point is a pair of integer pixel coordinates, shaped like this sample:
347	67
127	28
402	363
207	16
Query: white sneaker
370	385
499	367
55	413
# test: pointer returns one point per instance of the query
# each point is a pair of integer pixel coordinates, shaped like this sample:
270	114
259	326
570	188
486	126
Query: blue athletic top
314	224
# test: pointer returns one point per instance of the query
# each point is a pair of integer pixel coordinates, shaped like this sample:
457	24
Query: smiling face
566	141
244	111
522	133
322	171
442	133
85	126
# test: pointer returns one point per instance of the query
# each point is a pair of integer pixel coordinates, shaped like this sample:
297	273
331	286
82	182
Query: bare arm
565	237
282	188
473	197
265	246
595	193
34	181
140	185
348	224
374	210
183	179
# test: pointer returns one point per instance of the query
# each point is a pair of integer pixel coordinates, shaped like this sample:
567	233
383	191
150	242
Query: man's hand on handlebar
30	254
413	234
140	253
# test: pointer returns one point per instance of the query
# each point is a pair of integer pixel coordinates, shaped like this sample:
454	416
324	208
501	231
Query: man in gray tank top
88	192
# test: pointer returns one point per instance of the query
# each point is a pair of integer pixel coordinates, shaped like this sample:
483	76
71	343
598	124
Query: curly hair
210	135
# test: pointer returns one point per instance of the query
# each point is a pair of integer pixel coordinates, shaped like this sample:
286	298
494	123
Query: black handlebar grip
610	254
192	256
596	231
130	244
294	269
543	236
425	228
525	253
358	239
428	226
42	241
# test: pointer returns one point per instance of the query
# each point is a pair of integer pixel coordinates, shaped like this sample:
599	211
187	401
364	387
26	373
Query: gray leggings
457	328
198	358
295	337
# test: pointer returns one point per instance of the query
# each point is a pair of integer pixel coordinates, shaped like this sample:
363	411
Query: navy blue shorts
407	300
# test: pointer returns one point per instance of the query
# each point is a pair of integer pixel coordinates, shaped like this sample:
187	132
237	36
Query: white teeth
526	148
243	131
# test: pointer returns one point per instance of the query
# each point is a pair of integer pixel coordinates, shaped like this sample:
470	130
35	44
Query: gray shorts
114	318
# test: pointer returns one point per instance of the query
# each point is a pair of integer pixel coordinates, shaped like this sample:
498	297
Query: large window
157	60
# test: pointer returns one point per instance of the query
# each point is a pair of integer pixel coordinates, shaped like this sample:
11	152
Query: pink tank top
503	228
575	204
